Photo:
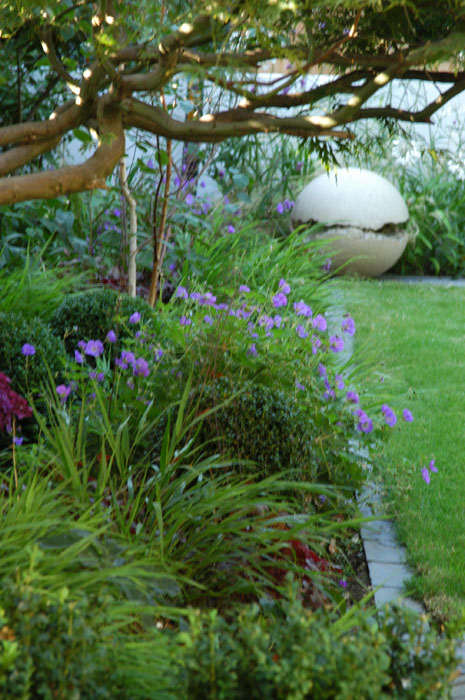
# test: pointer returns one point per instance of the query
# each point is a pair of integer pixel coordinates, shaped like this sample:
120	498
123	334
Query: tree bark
75	178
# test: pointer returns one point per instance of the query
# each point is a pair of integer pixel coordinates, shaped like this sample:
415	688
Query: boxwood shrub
260	424
90	315
28	373
307	655
52	647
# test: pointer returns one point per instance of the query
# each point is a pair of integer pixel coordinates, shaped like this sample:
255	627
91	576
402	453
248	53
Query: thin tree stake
131	202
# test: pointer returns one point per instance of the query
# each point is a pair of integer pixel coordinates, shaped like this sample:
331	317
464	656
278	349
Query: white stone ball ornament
364	214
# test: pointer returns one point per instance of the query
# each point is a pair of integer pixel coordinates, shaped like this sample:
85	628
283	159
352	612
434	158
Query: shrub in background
52	647
28	373
300	654
90	315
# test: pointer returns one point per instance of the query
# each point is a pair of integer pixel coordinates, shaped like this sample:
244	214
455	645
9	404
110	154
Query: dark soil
356	569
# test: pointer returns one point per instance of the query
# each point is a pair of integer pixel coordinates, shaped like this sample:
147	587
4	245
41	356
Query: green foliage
32	289
263	425
32	372
301	654
90	315
437	209
53	646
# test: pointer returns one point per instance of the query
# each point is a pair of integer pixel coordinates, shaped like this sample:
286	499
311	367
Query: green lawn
417	335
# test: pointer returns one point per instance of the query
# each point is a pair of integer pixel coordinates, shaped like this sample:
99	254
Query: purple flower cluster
389	415
28	350
286	205
365	424
306	326
139	365
425	472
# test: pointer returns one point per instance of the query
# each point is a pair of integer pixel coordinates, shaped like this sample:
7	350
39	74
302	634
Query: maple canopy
69	67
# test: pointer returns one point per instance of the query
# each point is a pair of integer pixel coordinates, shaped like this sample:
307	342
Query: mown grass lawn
415	335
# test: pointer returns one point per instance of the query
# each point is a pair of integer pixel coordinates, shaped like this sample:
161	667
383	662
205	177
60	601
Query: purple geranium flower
432	468
207	299
299	385
339	382
284	287
94	348
266	321
28	350
352	396
321	370
244	289
140	367
78	357
277	320
365	424
134	318
280	208
184	321
407	416
190	199
425	475
231	229
319	322
181	293
348	325
208	319
111	336
63	391
389	415
252	350
329	393
301	332
279	299
316	343
302	309
127	357
336	344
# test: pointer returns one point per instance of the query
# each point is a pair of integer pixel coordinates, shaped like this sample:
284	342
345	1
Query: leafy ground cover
415	333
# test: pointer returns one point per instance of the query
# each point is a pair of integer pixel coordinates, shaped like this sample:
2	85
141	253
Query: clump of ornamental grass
35	290
248	530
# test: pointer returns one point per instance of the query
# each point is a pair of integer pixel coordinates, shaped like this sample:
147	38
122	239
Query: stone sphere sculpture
364	216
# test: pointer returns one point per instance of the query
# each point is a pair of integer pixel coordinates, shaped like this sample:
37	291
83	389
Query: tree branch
273	99
20	155
67	117
76	178
49	50
423	115
213	128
